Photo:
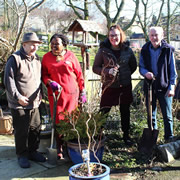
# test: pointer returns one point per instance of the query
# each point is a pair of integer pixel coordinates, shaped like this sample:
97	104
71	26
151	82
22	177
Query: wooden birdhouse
83	28
81	37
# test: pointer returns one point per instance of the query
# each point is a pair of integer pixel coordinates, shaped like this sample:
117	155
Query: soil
95	169
128	162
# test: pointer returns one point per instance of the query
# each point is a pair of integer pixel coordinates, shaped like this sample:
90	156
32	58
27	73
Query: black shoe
170	139
127	140
36	156
23	162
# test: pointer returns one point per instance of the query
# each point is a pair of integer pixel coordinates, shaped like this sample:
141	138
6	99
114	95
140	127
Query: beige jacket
23	78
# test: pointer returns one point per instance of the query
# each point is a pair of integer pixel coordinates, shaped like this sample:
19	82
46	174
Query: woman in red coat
61	68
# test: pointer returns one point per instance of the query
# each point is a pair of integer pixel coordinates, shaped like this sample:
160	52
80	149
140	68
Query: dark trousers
125	117
59	144
26	123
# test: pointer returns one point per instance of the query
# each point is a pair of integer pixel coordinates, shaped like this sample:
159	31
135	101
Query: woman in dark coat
115	62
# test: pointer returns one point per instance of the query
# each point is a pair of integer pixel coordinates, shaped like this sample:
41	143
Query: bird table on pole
88	30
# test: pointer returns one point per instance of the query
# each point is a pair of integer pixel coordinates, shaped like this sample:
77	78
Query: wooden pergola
85	27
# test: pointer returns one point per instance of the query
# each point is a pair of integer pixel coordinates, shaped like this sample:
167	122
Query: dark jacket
105	59
162	78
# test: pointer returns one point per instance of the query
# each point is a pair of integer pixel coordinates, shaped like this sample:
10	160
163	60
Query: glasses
114	35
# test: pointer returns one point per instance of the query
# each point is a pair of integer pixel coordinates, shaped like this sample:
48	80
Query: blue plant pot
75	155
104	176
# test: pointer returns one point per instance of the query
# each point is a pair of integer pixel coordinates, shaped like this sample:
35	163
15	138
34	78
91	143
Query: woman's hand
114	71
55	86
82	97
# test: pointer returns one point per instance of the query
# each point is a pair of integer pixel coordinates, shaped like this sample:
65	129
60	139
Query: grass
77	50
42	50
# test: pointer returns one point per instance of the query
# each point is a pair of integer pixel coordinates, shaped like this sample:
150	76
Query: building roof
86	25
137	36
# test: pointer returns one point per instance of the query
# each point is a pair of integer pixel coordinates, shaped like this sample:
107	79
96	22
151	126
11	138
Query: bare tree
21	10
18	11
168	20
65	20
146	19
82	12
171	17
119	8
49	17
55	20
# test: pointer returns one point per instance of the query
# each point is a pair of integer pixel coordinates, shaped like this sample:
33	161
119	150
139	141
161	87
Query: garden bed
125	159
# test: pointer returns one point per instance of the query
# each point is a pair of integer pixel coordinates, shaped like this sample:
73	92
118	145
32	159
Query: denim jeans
165	103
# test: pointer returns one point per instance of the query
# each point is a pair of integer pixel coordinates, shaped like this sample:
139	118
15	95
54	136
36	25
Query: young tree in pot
83	129
86	128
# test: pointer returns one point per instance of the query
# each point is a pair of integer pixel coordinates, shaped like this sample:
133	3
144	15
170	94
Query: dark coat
163	76
105	59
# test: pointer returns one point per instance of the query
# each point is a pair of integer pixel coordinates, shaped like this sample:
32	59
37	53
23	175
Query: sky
128	10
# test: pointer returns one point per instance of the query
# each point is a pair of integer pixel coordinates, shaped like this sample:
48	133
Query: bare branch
5	42
13	7
22	25
107	6
37	5
117	16
160	11
100	8
20	16
74	9
134	16
116	4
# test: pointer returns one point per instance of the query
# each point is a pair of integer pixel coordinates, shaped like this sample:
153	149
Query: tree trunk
168	21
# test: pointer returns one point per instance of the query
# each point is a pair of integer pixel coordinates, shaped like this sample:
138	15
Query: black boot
127	139
59	146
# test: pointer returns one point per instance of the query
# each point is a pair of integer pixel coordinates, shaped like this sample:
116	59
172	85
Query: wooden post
87	57
96	37
84	38
73	34
83	61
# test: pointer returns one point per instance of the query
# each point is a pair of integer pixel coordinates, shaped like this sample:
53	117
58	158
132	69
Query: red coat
68	74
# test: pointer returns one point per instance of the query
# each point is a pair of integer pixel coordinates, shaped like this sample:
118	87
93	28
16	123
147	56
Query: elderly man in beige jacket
22	81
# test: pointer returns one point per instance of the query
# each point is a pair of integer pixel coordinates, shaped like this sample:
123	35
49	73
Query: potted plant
83	132
83	129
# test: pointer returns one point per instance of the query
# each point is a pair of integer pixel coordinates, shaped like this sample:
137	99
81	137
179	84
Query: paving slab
10	170
59	172
123	176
